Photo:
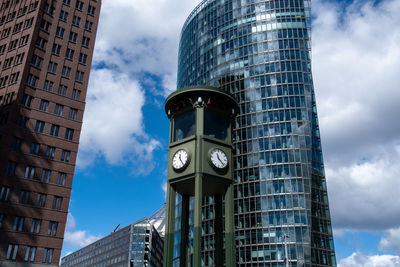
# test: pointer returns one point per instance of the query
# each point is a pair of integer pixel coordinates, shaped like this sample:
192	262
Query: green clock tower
200	163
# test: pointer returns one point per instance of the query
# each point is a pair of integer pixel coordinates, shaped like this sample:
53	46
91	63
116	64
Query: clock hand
181	159
220	160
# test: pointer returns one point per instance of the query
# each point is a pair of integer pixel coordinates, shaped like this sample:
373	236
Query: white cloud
113	121
77	237
391	240
143	37
360	260
80	238
135	38
356	55
365	195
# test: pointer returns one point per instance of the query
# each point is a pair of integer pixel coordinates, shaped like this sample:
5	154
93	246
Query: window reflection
215	125
185	125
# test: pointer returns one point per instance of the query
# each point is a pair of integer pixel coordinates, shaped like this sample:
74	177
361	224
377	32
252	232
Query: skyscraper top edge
194	12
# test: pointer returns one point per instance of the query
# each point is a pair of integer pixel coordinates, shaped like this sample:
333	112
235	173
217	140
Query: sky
121	168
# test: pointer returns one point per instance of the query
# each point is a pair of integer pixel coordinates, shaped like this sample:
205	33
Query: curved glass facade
260	52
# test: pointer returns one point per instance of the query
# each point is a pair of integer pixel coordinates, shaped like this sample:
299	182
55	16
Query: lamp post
285	236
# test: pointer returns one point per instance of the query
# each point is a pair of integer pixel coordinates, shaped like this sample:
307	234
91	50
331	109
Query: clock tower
200	163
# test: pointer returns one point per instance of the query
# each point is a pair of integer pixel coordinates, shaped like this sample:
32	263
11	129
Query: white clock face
180	159
219	158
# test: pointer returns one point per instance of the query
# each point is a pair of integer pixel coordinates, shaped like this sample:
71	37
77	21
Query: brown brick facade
46	51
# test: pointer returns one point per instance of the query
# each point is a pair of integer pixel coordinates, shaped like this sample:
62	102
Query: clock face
180	159
218	158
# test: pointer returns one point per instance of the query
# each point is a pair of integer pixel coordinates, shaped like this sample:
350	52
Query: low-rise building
136	245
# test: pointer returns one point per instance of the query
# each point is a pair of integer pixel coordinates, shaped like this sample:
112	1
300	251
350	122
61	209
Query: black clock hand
181	159
220	160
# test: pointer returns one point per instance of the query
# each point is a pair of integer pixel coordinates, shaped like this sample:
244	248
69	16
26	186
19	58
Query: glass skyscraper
260	52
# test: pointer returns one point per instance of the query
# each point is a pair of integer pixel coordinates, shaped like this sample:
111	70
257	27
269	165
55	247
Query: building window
19	58
24	40
56	49
85	41
79	76
67	2
44	105
47	255
66	71
62	90
61	177
8	63
24	197
50	152
54	129
22	121
69	54
18	224
16	144
40	200
60	32
3	81
39	127
36	61
91	10
52	67
27	100
76	21
14	77
72	113
49	9
12	45
44	25
58	109
69	134
6	32
79	5
5	193
30	254
72	37
88	25
18	27
2	49
65	155
35	148
57	202
48	86
12	252
82	58
32	79
35	226
40	42
63	15
11	167
29	172
52	228
76	94
46	174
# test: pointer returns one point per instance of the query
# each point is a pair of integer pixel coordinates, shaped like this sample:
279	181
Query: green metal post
169	227
184	230
229	228
219	232
198	198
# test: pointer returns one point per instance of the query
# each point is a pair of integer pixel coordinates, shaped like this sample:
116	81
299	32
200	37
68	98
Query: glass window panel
185	125
215	124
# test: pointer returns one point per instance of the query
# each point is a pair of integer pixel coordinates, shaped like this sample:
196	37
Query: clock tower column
200	163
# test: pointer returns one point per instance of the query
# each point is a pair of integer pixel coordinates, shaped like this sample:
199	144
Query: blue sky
120	174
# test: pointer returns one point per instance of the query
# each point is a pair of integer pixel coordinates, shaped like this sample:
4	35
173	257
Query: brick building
46	49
